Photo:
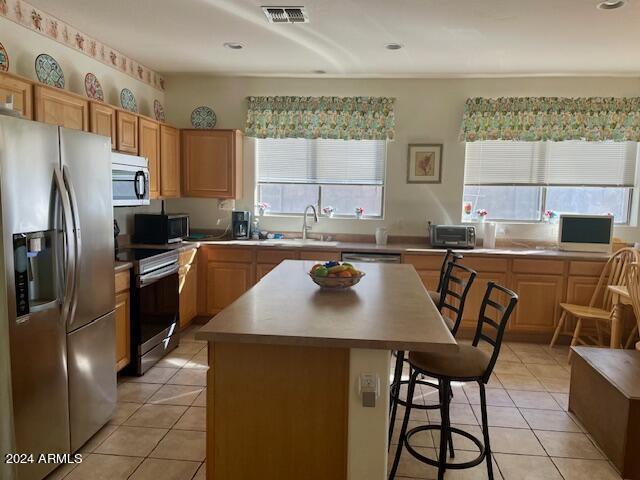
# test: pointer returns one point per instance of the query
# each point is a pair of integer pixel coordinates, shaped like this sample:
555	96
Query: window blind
321	161
567	163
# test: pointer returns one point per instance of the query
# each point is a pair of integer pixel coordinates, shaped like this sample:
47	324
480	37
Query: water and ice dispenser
35	271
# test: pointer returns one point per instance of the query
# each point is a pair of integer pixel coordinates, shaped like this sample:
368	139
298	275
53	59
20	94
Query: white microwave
130	180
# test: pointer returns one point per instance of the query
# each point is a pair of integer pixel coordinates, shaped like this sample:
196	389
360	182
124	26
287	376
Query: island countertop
389	309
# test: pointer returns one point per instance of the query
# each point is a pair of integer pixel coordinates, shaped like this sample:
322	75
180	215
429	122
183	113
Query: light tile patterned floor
533	437
158	433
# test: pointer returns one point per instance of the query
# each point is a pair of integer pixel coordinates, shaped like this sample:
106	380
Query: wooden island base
277	412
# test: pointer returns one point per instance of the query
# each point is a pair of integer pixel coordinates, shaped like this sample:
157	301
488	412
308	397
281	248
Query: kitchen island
285	362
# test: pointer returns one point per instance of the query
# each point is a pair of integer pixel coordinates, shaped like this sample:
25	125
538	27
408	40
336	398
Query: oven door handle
149	278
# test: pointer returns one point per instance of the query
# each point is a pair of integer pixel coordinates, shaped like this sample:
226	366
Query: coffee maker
241	225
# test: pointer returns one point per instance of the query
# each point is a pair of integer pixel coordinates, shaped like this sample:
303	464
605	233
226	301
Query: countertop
407	248
122	266
387	310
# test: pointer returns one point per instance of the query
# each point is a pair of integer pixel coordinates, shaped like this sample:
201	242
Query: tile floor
533	437
158	432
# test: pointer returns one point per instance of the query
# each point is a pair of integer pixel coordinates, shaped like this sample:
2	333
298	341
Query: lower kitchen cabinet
188	285
267	260
476	295
539	298
123	320
226	281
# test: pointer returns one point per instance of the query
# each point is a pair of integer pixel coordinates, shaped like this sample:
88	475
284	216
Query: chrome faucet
305	227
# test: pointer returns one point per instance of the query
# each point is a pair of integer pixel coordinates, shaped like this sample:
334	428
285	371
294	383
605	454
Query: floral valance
346	118
551	118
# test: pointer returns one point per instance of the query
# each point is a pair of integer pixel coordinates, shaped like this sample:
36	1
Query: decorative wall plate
128	101
158	111
203	117
4	59
48	71
93	88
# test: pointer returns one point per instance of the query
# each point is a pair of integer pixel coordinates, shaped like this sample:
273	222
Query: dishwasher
365	257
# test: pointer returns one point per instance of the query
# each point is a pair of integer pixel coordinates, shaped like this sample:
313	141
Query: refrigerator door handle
70	259
77	231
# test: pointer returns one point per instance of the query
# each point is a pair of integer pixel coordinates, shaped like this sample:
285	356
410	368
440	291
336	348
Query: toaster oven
457	236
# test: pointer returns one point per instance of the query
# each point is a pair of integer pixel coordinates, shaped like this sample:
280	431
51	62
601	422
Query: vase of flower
262	208
328	211
549	216
359	212
482	215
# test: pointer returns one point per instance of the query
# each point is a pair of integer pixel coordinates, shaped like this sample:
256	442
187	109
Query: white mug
381	236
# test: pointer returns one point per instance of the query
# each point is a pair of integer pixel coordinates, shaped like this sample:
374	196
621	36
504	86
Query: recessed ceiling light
611	4
319	72
393	46
234	45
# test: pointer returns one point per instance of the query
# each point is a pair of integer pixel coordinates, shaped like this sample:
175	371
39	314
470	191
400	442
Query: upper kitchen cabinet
169	162
20	90
212	163
102	120
127	132
150	149
60	107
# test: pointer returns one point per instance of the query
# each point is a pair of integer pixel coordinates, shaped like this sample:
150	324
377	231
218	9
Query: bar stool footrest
430	461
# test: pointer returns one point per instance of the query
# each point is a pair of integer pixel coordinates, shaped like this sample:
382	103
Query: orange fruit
346	274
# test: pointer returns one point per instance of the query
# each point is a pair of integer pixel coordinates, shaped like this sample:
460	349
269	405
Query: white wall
427	111
24	45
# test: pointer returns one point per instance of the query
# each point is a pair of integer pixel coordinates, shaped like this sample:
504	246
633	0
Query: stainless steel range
154	305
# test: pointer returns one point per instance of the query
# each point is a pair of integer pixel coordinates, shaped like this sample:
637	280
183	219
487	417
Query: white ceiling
347	37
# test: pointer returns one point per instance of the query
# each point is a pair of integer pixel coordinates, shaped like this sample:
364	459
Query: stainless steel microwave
458	236
130	180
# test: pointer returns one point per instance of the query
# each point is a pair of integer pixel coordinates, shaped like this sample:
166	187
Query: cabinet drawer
587	269
320	255
424	262
545	267
218	254
122	281
485	264
276	256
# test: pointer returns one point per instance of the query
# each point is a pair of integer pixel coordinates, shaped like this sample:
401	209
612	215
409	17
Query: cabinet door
103	121
169	162
580	289
61	108
21	91
263	268
127	130
212	163
320	255
123	335
150	149
538	303
430	278
226	282
476	295
188	294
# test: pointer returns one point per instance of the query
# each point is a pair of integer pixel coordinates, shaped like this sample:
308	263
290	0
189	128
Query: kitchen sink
298	242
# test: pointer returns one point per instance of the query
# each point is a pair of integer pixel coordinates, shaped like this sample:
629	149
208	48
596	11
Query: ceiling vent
286	14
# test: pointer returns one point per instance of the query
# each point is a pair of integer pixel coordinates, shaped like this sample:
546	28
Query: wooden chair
600	308
633	285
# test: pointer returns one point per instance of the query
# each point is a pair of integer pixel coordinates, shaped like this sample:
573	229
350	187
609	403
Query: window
519	181
343	174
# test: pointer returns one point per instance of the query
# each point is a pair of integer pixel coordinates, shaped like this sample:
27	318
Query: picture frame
424	163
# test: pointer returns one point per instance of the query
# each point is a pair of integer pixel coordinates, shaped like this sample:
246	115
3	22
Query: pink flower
482	212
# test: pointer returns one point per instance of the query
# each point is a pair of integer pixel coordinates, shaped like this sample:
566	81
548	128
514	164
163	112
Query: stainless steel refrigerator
57	237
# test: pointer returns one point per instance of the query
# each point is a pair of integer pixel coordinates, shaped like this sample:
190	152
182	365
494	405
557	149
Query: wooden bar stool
453	294
634	293
469	364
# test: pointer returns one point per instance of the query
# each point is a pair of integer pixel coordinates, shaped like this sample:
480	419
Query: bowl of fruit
335	275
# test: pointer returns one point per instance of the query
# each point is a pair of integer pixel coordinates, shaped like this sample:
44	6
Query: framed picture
424	164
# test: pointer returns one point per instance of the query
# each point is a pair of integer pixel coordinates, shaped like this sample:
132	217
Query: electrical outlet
369	387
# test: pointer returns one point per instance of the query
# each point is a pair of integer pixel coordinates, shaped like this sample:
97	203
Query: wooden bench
605	397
